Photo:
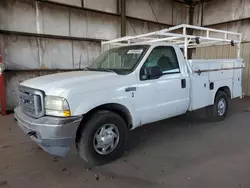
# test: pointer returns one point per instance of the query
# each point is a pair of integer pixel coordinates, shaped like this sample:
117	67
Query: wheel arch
114	107
226	90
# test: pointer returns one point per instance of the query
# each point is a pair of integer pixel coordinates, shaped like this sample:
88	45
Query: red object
2	90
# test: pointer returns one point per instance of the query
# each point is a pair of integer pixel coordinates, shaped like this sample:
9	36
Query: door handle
130	89
183	83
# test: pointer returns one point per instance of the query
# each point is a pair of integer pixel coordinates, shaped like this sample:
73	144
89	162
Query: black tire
85	142
213	111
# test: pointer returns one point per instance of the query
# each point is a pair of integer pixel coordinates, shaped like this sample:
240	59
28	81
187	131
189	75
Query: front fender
81	104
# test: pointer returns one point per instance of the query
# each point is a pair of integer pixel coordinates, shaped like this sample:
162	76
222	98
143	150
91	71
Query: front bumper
54	135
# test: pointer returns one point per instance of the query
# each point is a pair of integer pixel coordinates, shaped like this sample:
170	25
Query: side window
165	58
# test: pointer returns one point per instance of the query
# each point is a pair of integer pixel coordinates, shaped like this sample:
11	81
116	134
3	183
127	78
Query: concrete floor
187	151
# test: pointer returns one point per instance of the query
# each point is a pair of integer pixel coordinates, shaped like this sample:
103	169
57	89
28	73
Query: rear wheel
102	139
218	111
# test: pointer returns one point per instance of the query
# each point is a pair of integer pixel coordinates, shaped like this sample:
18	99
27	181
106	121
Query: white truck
139	80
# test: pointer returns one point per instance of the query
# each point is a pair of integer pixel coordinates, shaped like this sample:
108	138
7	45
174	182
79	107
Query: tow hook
31	133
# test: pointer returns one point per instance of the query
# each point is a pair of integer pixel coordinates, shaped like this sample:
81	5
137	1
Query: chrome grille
31	101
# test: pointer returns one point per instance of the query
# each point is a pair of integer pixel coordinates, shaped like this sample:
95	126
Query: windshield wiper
86	69
99	69
107	70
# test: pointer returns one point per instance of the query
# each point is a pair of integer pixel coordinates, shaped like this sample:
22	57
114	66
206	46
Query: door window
165	58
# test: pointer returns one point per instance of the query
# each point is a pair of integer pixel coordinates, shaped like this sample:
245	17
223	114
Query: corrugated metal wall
226	52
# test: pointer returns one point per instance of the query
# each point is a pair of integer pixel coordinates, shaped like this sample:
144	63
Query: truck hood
56	84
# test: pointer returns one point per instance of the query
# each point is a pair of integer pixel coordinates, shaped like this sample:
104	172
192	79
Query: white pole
185	43
207	34
186	48
238	47
184	31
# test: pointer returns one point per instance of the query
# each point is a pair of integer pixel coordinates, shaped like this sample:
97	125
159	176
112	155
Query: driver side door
170	91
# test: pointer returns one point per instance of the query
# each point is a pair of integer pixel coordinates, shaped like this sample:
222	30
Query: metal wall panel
222	11
106	6
234	12
78	23
238	26
24	53
197	16
69	2
84	53
44	18
89	24
180	13
154	10
136	27
101	26
162	11
19	52
18	15
56	54
53	19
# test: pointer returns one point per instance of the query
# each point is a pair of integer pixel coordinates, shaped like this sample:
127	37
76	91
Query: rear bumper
53	134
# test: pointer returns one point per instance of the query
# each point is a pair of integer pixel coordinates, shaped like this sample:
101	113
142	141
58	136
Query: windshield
121	60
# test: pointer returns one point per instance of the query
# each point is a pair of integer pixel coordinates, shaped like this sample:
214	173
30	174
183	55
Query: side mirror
151	73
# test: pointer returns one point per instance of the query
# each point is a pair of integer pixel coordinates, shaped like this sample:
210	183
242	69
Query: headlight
56	106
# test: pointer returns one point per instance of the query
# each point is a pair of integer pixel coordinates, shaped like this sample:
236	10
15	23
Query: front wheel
218	111
102	139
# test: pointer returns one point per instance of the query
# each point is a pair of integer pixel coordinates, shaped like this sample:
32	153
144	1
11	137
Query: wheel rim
221	107
106	139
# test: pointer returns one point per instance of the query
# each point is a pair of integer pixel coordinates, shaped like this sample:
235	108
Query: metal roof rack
179	36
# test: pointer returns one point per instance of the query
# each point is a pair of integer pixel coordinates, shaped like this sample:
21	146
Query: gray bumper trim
55	135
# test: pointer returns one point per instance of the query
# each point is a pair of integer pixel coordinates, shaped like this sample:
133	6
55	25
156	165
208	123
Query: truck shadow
187	124
166	128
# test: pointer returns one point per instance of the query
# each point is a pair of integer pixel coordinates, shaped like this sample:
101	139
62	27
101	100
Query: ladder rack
179	35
